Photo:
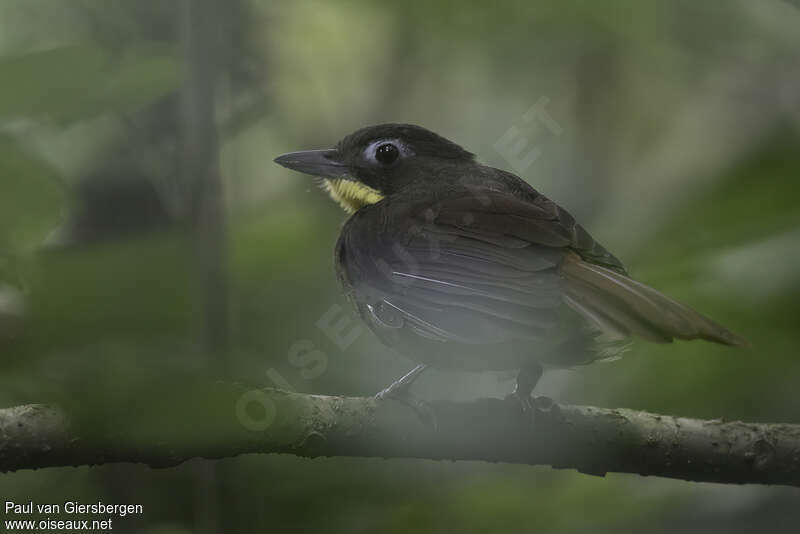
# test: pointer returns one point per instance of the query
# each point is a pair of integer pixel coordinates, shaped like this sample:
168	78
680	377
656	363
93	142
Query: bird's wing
488	267
537	221
477	267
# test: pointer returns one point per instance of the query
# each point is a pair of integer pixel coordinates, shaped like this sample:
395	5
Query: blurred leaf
79	82
138	81
753	202
133	289
31	198
49	82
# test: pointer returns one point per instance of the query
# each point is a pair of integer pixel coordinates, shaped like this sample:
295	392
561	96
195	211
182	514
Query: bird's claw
535	409
421	408
390	393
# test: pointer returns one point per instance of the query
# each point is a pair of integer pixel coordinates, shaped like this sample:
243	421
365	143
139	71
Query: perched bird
459	265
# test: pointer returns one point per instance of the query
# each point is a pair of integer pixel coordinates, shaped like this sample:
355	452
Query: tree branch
237	420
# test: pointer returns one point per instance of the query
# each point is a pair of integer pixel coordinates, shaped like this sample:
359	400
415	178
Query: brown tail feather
622	305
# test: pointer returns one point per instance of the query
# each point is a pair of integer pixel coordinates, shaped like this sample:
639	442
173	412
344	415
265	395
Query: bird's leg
399	389
527	379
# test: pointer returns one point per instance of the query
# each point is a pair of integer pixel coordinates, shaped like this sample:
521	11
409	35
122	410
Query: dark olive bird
460	265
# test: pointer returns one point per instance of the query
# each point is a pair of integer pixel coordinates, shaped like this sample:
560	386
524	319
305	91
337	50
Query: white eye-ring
386	151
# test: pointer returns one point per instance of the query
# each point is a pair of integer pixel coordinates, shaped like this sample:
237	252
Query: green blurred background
674	138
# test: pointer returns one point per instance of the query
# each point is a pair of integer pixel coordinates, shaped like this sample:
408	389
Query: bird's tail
622	307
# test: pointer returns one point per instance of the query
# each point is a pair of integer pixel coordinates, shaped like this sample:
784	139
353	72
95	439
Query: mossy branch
232	419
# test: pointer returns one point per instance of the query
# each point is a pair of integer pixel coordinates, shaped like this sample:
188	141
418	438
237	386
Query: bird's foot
525	401
403	395
535	409
395	391
402	385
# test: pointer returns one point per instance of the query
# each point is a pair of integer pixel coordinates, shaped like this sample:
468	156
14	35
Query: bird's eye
386	153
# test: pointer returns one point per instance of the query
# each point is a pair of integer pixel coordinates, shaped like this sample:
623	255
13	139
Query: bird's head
377	161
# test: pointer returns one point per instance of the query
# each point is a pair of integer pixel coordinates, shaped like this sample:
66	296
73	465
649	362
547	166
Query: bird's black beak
314	162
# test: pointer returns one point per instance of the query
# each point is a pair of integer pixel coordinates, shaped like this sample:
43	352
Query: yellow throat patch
351	196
